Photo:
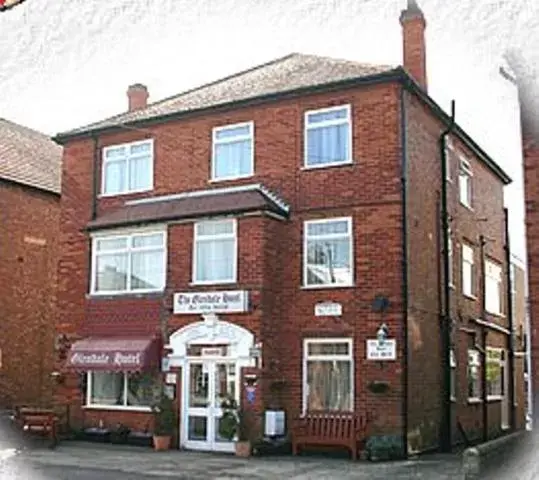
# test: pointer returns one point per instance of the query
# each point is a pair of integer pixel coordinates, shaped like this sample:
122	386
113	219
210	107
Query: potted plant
234	424
164	415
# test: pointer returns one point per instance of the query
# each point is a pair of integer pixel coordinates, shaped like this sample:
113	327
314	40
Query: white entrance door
206	384
505	392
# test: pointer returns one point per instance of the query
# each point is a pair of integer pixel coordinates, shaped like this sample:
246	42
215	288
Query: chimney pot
413	42
137	96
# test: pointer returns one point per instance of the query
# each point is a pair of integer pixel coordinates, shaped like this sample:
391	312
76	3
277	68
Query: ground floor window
495	373
474	375
121	389
453	372
328	375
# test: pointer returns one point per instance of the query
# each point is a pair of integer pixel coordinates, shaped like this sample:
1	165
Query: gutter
510	313
404	178
445	330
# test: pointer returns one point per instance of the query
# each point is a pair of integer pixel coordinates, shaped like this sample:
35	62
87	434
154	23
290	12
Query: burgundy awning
114	354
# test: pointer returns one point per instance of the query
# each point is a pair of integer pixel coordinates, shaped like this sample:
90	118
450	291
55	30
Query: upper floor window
215	252
468	270
127	168
465	183
493	287
449	149
129	263
474	375
233	152
450	258
328	252
328	137
453	375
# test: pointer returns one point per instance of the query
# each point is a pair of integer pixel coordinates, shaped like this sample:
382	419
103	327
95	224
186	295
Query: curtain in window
142	389
139	172
215	260
107	388
233	159
115	179
111	272
146	270
329	385
328	144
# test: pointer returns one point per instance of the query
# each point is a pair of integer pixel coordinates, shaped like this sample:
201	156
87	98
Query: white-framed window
215	251
512	273
450	258
131	262
453	375
474	375
449	149
121	390
468	271
328	136
328	256
127	168
465	183
495	373
493	287
233	151
328	378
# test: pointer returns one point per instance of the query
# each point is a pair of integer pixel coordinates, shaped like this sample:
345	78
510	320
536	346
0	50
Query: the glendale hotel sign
236	301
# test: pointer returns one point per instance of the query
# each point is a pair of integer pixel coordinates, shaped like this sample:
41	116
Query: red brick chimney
413	42
137	96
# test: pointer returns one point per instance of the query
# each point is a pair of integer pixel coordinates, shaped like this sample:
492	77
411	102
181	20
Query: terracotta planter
161	442
243	449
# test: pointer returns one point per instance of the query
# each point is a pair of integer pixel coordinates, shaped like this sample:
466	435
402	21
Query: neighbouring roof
29	157
189	205
292	72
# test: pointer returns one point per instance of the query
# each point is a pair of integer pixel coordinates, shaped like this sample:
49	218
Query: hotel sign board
236	301
386	350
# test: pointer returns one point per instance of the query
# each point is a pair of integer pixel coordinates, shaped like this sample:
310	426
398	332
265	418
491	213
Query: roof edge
31	186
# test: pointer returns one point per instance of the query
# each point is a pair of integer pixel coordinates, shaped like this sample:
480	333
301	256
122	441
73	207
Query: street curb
475	458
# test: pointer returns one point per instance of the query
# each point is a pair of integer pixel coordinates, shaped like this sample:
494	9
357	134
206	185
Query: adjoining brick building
29	213
261	231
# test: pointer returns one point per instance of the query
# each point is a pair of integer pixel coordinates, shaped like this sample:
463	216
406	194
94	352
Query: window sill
327	165
141	293
494	398
494	314
452	286
213	283
122	194
231	179
118	408
329	286
465	205
474	401
469	297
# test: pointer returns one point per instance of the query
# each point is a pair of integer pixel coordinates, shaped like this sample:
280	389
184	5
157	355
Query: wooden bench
329	429
38	421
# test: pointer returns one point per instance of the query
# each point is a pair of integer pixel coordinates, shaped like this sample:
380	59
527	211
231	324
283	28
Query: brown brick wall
28	254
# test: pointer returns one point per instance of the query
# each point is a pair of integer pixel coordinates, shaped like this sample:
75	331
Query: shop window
495	373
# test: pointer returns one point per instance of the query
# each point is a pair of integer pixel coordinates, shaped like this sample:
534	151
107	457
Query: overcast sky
66	63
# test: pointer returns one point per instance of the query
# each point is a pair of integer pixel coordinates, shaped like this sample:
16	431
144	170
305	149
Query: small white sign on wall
170	378
328	309
387	350
236	301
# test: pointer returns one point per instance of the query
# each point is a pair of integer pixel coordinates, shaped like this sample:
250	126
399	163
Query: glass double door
208	383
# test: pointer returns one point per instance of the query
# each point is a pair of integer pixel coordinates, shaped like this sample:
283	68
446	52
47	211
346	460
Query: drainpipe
482	243
446	424
404	176
510	313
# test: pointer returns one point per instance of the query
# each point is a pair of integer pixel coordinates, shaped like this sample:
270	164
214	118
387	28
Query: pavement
141	463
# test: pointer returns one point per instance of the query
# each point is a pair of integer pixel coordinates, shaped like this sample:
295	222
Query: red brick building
273	223
29	213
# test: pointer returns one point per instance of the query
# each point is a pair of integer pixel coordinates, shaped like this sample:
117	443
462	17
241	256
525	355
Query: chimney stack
413	43
137	96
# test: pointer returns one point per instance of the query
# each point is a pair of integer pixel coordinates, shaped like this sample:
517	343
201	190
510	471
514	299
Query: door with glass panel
209	382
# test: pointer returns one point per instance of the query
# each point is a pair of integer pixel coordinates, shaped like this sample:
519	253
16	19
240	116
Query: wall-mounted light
57	377
382	333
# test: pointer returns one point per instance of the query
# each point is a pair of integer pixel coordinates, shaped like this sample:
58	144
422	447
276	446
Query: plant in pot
164	415
234	424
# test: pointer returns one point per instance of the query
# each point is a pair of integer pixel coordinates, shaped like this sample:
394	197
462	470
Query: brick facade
28	254
270	252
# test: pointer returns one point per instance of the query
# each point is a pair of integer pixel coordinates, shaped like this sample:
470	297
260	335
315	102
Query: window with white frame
328	136
127	168
328	252
233	151
465	183
512	273
215	252
122	390
328	375
134	262
495	373
453	375
474	375
449	148
468	270
493	287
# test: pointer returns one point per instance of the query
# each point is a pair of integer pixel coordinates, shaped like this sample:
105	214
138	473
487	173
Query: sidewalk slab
196	465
